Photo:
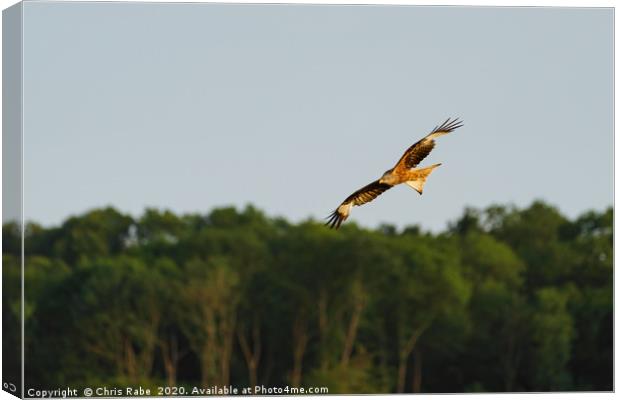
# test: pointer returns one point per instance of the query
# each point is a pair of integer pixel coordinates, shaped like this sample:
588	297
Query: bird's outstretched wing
419	150
361	196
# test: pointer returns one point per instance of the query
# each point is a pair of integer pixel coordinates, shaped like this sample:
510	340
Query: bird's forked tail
417	177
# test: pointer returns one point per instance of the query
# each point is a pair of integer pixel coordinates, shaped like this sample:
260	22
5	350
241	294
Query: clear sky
291	108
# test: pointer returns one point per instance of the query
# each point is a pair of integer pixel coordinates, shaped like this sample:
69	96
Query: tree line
504	299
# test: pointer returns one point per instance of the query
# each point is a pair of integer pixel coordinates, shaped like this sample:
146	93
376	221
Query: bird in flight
403	172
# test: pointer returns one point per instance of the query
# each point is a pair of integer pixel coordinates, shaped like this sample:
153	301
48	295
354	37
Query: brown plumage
403	172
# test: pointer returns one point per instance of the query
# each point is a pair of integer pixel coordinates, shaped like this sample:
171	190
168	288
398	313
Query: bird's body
403	172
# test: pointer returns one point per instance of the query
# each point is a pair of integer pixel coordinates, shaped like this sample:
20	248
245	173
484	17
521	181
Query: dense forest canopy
505	299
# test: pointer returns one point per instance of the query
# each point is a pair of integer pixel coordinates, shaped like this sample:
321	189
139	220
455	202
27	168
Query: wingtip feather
449	125
333	220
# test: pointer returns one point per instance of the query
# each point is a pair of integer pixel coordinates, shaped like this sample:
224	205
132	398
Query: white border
484	3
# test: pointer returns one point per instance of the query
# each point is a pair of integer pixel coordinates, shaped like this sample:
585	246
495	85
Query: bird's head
388	178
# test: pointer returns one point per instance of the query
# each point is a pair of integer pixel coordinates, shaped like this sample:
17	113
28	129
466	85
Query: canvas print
266	199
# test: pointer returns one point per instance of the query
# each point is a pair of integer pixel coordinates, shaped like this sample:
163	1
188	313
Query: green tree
553	332
507	299
210	298
98	233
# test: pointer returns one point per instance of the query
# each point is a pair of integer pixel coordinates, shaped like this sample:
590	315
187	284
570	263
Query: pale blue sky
292	108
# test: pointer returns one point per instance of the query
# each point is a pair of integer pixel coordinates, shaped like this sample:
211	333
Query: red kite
403	172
